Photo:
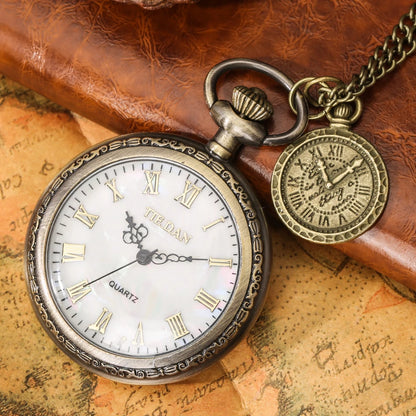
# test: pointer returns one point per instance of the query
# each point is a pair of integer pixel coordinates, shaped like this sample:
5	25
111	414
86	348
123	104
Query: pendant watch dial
329	186
142	256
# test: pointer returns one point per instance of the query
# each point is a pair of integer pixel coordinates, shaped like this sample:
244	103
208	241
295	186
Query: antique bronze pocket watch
331	184
148	255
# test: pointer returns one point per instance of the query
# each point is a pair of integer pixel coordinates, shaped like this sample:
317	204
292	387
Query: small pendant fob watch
148	256
331	185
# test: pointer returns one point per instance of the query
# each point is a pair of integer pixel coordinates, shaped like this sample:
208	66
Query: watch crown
251	103
343	111
344	114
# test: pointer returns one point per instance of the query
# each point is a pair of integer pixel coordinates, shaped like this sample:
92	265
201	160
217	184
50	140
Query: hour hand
322	168
135	233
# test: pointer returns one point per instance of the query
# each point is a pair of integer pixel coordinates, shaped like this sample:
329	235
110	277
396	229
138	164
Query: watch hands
349	169
136	234
145	257
322	168
329	184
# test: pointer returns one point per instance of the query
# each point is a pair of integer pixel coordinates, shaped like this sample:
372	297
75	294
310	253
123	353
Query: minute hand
322	168
347	171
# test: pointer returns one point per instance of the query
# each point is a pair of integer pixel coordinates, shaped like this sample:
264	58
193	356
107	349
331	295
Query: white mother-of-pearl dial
140	208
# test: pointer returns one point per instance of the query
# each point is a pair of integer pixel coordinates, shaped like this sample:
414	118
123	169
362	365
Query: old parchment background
335	338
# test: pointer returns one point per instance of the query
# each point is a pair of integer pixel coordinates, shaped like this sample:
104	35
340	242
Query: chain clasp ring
221	113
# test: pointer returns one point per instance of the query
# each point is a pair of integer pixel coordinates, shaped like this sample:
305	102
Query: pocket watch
148	256
331	185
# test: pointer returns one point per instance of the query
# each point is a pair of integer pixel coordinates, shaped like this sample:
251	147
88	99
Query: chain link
395	49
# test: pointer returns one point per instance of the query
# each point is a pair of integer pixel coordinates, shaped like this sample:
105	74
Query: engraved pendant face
329	186
146	258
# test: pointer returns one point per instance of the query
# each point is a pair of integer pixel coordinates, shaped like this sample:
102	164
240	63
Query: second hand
129	264
108	274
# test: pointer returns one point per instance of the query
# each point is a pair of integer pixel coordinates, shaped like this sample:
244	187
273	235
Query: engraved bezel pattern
362	222
239	323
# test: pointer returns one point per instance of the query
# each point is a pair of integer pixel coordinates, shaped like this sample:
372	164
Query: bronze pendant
330	185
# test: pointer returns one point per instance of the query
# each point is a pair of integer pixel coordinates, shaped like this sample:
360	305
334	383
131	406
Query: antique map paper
335	338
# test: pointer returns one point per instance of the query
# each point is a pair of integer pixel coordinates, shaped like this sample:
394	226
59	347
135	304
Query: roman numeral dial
145	256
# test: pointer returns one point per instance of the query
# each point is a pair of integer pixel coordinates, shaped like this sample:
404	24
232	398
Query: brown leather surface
131	69
155	4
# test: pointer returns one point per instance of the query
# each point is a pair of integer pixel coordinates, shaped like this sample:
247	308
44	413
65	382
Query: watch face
144	258
331	186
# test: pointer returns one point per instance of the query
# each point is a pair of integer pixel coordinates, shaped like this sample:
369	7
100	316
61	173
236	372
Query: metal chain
395	49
